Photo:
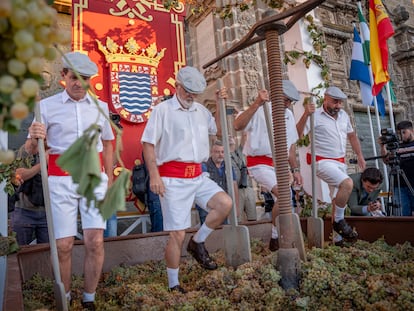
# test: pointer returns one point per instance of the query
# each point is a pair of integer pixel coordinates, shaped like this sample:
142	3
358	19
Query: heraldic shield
133	77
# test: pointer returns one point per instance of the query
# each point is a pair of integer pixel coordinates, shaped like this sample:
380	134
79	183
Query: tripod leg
410	188
391	193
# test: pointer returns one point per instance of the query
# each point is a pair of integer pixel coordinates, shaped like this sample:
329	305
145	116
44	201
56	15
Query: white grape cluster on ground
28	32
364	276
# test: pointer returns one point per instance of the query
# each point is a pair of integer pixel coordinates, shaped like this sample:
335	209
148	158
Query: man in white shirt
65	116
175	142
258	150
332	128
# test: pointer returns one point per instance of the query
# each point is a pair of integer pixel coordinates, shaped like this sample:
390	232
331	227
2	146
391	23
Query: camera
389	139
268	201
243	183
116	118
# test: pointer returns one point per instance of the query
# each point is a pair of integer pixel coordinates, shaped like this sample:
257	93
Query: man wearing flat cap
175	143
332	127
258	150
65	116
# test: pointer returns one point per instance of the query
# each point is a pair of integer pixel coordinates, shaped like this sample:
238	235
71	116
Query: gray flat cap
81	63
290	90
335	93
192	80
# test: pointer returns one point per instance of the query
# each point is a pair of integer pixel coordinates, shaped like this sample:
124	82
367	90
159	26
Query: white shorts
332	172
265	175
179	196
65	201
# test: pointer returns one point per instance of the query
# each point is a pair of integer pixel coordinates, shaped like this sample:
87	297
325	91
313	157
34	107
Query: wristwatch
295	170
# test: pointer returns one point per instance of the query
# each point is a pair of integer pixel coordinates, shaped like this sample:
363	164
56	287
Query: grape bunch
28	32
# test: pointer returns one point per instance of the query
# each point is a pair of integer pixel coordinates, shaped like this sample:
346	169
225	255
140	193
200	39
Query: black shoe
340	243
199	252
88	305
345	230
274	244
177	288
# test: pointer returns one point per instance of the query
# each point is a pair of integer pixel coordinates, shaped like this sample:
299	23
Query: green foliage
8	244
224	12
309	57
115	196
8	173
324	210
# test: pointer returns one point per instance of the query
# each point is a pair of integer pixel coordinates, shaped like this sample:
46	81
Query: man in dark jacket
363	200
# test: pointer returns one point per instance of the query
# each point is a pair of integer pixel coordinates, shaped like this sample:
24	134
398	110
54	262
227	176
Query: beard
332	111
185	103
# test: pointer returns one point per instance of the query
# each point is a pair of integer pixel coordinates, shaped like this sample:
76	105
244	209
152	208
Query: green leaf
115	196
81	161
91	173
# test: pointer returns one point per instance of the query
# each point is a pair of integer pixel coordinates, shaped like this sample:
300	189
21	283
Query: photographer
404	154
363	200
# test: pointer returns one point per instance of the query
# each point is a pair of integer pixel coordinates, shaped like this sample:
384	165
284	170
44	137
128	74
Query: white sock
337	237
172	277
88	297
275	234
68	296
339	213
202	233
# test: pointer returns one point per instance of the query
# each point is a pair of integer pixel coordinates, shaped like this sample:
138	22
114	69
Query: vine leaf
116	195
81	161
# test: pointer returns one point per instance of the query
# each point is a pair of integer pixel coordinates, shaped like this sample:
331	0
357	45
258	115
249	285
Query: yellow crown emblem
131	52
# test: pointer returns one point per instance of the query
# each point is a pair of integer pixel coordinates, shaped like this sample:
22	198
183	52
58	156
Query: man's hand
297	178
374	206
262	97
157	185
361	162
37	130
222	93
310	108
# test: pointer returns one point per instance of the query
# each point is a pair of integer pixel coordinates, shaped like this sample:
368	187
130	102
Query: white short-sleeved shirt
66	120
179	134
330	134
257	143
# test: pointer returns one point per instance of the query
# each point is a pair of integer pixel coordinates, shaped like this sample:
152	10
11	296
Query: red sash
54	170
180	169
256	160
318	158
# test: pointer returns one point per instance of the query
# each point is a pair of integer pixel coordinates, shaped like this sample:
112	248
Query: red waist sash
318	158
256	160
180	169
54	170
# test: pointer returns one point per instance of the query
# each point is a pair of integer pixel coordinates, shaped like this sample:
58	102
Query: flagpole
387	88
372	136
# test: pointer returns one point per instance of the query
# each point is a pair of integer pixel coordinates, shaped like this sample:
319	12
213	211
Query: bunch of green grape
28	33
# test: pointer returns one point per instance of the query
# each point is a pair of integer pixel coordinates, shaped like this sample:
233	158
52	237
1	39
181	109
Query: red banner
138	47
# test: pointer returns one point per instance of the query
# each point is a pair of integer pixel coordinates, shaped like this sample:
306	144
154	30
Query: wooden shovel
59	288
297	230
315	223
236	237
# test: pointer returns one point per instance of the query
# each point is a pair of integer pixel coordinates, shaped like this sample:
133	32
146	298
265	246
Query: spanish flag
381	29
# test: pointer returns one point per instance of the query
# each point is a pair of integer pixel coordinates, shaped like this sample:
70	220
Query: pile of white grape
28	33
